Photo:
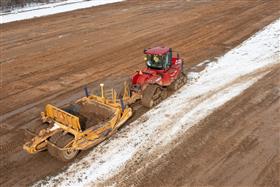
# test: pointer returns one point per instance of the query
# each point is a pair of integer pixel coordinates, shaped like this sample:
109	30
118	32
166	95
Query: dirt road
237	145
50	59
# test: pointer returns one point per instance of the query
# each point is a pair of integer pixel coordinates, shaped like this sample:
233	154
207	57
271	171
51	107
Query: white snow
218	83
52	8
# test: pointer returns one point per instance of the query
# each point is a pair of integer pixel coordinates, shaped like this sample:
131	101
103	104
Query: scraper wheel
61	141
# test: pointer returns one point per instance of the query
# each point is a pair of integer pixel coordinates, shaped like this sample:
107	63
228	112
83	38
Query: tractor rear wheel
61	141
152	95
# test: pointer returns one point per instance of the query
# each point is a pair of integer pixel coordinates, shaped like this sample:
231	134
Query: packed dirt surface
237	145
50	59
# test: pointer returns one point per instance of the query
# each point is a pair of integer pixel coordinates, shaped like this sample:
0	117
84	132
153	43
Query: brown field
50	59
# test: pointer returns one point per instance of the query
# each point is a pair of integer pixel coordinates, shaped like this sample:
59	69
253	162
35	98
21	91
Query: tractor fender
154	80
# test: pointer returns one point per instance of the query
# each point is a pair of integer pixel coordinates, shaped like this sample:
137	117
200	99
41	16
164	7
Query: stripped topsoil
50	59
237	145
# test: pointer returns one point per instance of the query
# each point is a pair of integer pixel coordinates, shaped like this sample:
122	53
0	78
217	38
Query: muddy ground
50	59
237	145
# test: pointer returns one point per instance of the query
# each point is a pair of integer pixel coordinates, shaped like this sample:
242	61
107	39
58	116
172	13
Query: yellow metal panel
63	117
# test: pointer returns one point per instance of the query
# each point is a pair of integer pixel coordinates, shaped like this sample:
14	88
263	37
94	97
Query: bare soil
237	145
50	59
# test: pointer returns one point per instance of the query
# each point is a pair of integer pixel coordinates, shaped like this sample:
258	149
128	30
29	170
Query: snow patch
218	83
52	8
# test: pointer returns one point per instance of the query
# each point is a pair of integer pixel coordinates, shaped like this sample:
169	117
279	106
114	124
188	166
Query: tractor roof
157	51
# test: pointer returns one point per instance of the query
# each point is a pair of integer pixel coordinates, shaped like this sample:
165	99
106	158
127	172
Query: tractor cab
159	58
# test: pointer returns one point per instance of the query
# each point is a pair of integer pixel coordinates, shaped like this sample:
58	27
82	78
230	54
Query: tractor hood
147	76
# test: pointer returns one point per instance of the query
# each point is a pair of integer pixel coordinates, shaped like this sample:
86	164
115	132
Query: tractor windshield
154	61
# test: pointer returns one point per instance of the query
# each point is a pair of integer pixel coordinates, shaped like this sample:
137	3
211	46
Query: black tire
61	140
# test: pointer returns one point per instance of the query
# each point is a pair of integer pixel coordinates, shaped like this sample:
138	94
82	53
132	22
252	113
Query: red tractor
164	72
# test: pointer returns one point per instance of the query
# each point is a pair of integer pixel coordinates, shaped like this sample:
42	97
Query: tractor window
155	61
170	58
166	61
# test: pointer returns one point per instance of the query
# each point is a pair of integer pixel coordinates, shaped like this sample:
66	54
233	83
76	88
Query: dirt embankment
48	60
